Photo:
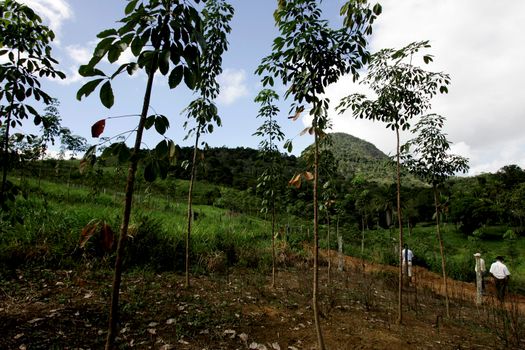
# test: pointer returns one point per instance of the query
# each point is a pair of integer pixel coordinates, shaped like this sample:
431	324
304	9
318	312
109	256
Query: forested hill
234	167
351	147
357	158
239	167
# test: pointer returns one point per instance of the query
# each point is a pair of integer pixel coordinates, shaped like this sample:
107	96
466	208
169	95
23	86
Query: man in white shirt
407	256
501	275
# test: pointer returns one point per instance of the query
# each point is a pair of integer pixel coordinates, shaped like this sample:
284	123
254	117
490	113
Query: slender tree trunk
113	315
400	223
442	251
273	243
5	162
329	251
6	159
339	245
68	181
315	293
190	204
40	169
362	235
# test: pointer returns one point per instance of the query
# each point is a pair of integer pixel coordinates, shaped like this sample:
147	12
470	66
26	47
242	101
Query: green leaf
88	88
106	33
132	68
160	125
130	7
136	46
150	171
175	76
149	122
87	70
162	149
106	95
114	53
189	78
32	110
427	59
164	62
377	9
102	47
20	94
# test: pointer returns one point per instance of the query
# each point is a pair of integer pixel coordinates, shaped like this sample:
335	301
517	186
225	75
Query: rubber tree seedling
165	37
25	56
308	56
217	15
403	92
268	183
427	156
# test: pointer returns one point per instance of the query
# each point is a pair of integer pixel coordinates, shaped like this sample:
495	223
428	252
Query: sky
477	42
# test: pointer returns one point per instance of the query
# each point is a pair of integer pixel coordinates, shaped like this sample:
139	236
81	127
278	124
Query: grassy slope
56	210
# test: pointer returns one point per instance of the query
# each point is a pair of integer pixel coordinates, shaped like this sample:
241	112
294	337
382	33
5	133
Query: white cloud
52	12
233	86
478	43
80	54
72	76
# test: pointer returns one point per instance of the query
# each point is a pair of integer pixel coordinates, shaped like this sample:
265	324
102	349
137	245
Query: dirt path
423	278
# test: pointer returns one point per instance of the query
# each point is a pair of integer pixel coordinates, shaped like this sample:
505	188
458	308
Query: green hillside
359	158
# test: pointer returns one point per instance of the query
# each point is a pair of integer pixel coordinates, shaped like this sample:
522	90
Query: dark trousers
501	288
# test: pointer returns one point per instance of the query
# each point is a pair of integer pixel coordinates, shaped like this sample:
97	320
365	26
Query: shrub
150	246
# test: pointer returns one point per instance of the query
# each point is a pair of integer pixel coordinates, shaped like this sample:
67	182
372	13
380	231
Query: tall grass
55	213
54	216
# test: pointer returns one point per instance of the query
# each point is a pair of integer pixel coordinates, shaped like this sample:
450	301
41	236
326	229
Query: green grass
54	215
459	251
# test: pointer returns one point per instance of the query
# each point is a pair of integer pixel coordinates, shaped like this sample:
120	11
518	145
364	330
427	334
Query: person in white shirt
501	275
407	256
481	269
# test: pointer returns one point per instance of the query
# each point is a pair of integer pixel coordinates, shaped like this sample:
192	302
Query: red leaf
297	114
107	237
87	232
295	181
98	128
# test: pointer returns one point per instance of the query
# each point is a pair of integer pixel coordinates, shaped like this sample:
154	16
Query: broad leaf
106	95
98	128
295	181
189	78
175	76
88	88
151	171
297	114
106	33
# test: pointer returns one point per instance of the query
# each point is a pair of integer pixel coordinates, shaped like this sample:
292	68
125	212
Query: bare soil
44	309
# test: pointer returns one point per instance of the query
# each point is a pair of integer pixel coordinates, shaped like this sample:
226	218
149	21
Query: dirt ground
240	310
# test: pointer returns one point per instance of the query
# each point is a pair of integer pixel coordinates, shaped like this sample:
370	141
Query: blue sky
478	42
